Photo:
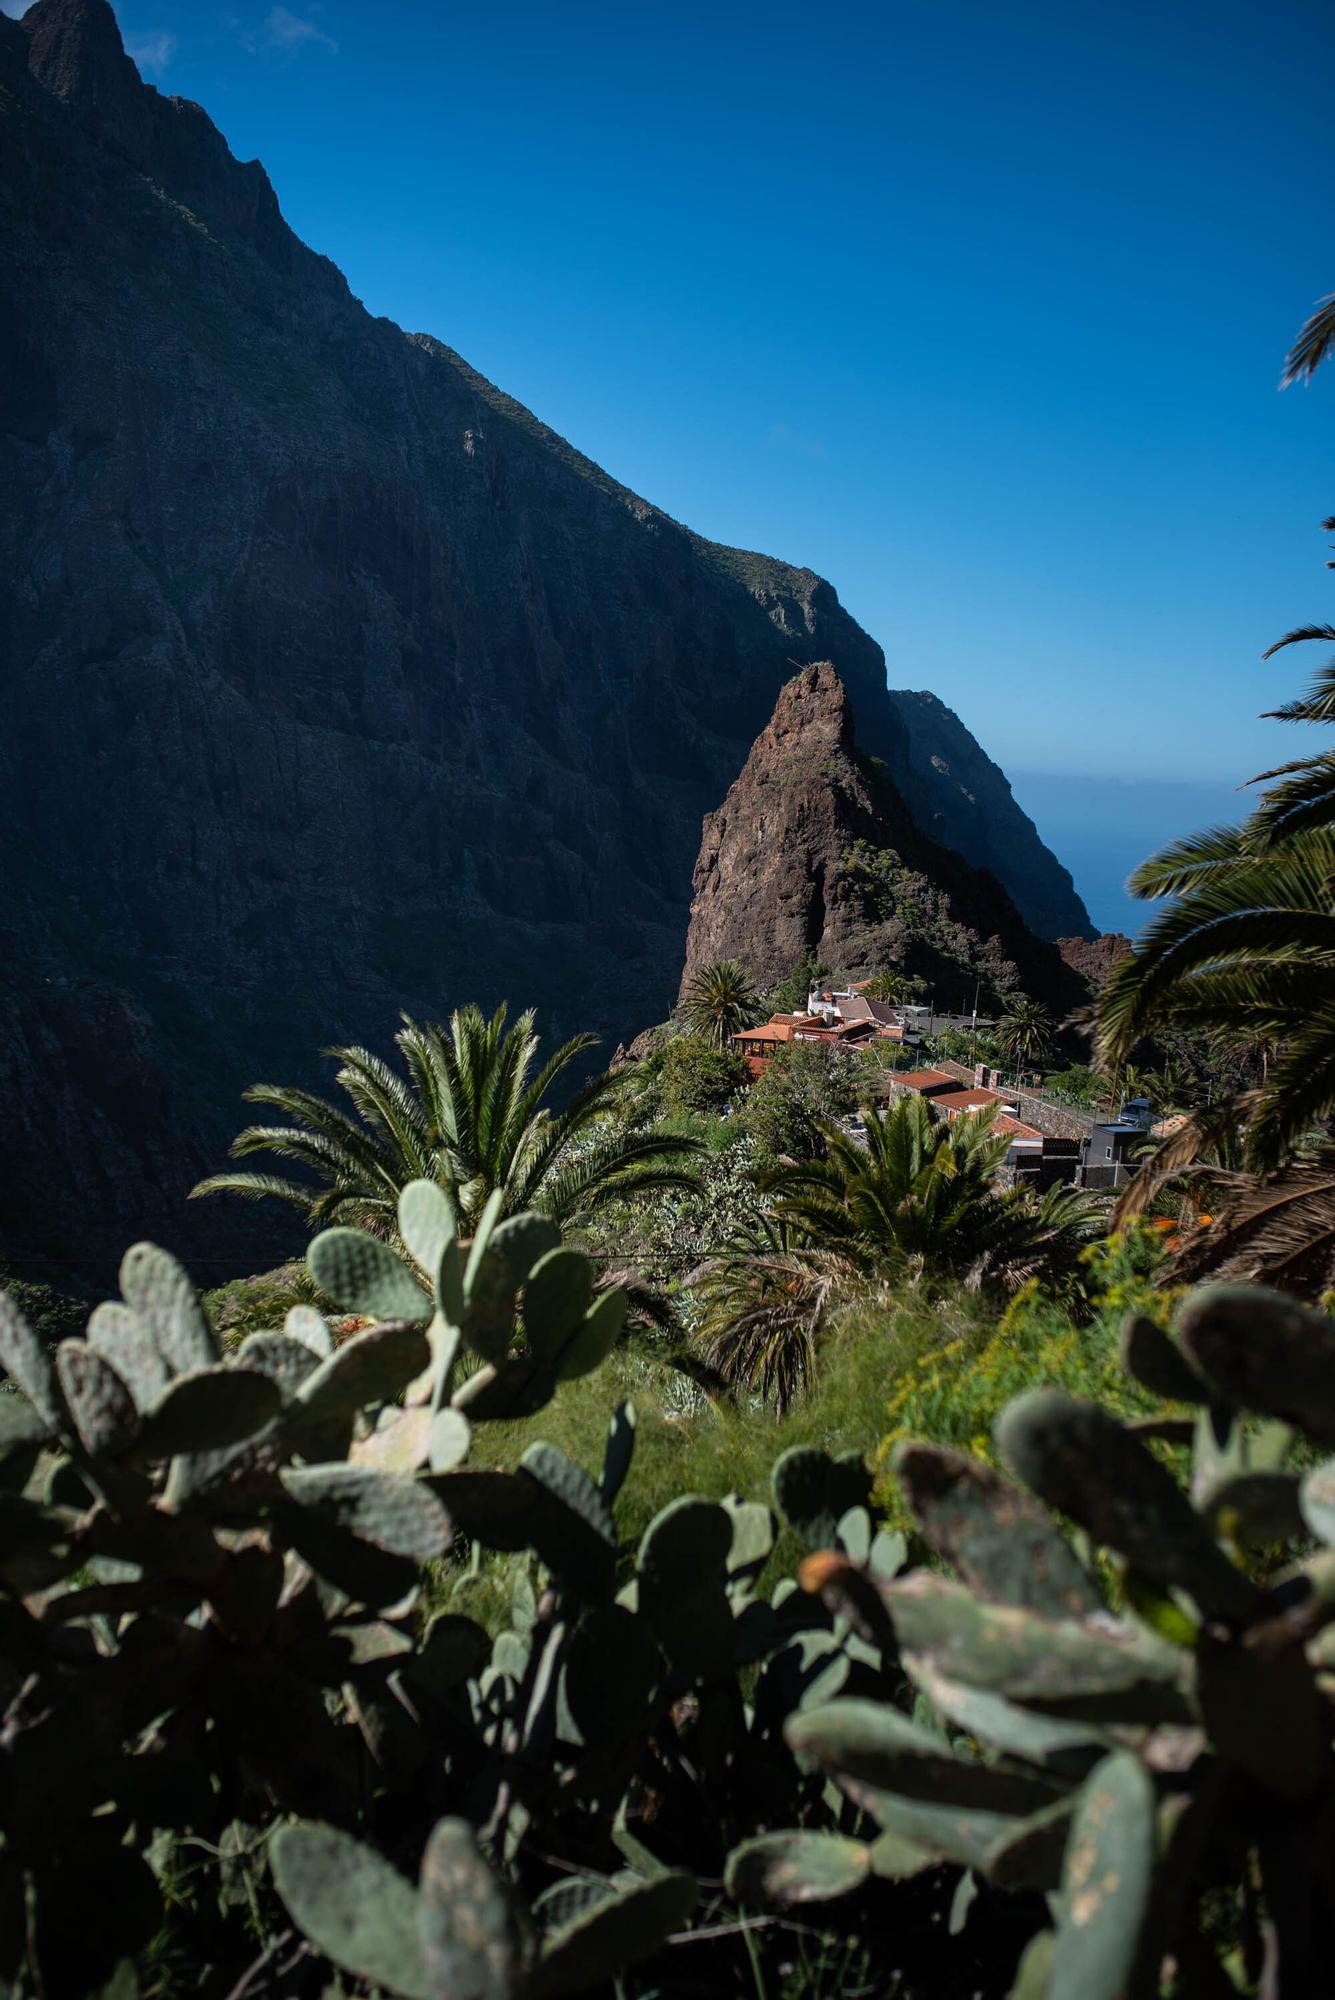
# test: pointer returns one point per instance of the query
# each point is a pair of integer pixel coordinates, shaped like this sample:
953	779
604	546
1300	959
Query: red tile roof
923	1079
967	1100
1014	1128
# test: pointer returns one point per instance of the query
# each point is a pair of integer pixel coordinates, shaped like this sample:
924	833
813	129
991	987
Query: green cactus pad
497	1509
1263	1352
208	1409
610	1670
813	1491
472	1943
587	1952
557	1295
752	1537
572	1529
426	1224
287	1362
1084	1463
158	1289
522	1242
1064	1666
353	1906
448	1440
21	1426
1105	1882
1030	1855
879	1748
401	1516
1158	1363
117	1331
305	1324
1005	1546
362	1275
595	1336
1002	1725
452	1650
618	1451
777	1870
99	1402
371	1367
25	1357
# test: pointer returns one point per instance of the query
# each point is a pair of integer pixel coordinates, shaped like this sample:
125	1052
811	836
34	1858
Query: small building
1025	1150
958	1103
923	1082
1107	1152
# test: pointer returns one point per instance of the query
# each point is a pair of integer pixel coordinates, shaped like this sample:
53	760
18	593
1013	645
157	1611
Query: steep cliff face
814	849
962	798
334	682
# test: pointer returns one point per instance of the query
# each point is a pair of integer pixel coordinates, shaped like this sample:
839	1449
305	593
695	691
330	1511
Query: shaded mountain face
335	683
963	799
814	849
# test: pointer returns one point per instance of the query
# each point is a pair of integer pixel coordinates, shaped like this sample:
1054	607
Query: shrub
696	1075
805	1083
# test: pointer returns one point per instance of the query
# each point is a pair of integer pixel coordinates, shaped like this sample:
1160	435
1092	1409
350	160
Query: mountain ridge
339	683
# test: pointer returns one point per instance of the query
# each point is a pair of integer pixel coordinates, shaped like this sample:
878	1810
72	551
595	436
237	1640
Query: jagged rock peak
814	849
75	50
813	703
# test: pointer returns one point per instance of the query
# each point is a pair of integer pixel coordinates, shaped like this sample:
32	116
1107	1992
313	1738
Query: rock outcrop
815	850
1094	958
335	683
958	795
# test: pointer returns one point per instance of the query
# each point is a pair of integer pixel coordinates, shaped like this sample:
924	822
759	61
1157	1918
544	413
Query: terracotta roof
1014	1128
967	1100
923	1079
773	1031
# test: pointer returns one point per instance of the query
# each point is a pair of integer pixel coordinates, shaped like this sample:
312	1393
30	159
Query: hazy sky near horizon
978	311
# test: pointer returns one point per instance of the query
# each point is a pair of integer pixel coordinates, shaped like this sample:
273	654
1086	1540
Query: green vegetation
471	1117
265	1714
693	1074
720	1002
804	1086
1025	1032
790	996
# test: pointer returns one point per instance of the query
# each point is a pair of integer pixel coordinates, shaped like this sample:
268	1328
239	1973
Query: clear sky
977	309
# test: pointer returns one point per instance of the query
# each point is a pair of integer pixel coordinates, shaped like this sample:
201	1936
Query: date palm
471	1115
923	1195
720	1001
1024	1032
919	1199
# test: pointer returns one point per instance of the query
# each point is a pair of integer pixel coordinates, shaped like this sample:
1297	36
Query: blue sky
978	310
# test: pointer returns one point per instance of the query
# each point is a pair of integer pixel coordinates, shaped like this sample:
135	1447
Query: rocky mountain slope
815	849
335	683
962	798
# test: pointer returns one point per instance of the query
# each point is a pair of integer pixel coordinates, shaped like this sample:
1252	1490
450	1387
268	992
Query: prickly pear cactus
1135	1721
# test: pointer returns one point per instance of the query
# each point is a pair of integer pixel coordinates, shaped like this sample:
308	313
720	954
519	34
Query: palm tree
764	1303
1024	1033
470	1115
921	1194
1245	949
720	1001
919	1199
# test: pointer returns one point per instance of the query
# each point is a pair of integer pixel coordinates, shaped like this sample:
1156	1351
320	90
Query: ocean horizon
1102	828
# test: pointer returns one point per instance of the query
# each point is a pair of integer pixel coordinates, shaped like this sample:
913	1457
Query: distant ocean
1103	828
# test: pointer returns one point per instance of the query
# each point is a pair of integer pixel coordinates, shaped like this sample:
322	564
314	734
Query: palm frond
1312	345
